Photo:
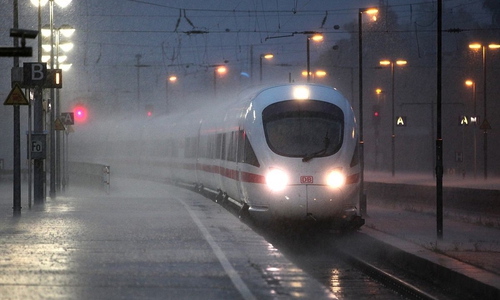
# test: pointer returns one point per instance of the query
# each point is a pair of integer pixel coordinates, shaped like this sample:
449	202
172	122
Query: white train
286	152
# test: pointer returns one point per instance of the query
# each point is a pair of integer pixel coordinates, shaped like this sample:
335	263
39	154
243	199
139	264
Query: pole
362	196
308	62
475	138
17	131
439	140
260	69
58	114
485	132
166	94
138	56
39	176
52	110
251	63
215	82
393	135
29	154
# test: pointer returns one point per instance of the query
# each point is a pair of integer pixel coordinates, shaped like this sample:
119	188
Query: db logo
306	179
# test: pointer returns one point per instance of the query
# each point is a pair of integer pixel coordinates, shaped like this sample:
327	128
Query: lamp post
64	31
221	70
472	84
362	197
484	125
172	79
316	38
393	139
62	3
266	56
39	174
317	74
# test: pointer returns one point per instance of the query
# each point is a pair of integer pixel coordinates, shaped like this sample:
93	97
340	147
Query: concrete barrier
89	175
484	201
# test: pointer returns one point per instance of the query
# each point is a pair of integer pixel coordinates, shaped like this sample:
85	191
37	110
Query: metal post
393	135
260	69
475	138
308	62
29	153
38	164
58	114
17	132
439	140
215	82
362	197
52	192
485	132
138	56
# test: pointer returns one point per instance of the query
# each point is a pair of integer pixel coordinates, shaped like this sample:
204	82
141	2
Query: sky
188	38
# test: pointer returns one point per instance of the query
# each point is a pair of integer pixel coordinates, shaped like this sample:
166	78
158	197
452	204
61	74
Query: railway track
348	274
334	260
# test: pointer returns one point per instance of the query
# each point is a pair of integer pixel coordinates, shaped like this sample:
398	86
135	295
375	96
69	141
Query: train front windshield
304	129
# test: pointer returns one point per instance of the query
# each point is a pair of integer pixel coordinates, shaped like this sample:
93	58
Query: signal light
376	114
80	113
149	110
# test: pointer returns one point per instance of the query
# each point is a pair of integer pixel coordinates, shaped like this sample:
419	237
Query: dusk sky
185	38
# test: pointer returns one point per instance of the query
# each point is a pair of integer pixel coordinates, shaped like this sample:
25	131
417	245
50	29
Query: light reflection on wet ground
138	245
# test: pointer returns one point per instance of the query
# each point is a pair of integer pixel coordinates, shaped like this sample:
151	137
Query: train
282	152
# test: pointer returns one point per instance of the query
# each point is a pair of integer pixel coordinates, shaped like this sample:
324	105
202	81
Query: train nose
307	201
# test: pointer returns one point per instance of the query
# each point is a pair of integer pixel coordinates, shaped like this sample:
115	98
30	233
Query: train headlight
276	180
335	179
301	93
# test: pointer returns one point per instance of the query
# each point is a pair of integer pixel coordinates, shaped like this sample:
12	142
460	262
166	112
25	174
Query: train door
240	146
220	151
229	167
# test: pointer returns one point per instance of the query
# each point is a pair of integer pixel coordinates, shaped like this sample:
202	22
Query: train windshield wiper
326	143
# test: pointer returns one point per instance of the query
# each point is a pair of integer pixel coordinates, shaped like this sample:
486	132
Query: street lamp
316	37
61	3
393	143
362	197
266	56
171	79
472	84
221	70
61	34
318	74
484	125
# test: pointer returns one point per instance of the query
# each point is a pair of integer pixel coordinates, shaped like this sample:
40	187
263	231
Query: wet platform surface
470	243
145	242
156	242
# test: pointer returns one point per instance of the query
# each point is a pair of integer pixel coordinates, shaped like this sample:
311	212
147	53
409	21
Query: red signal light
80	113
375	114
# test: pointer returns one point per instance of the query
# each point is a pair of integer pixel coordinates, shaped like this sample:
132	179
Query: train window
355	157
217	147
241	146
250	157
304	128
245	151
210	146
231	147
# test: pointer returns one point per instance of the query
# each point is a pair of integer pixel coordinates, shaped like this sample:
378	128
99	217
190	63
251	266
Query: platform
470	244
143	241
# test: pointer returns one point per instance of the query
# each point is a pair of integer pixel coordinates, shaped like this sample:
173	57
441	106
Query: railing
89	175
